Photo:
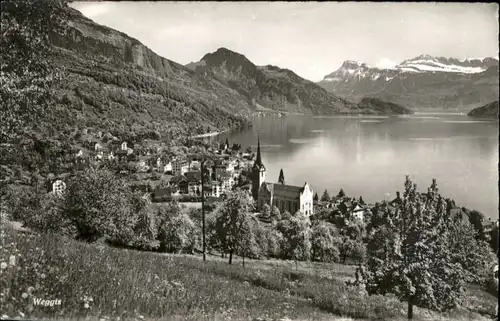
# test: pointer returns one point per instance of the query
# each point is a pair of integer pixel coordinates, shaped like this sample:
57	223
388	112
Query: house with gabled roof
163	194
194	182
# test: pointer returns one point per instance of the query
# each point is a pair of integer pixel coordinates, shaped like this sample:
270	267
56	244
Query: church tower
258	172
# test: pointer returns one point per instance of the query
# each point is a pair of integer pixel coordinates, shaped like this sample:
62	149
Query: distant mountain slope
113	80
487	111
421	82
383	107
270	87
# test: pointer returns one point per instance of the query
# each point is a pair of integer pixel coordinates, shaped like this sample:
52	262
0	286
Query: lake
370	156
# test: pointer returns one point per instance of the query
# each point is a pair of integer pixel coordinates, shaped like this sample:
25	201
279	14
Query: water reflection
371	158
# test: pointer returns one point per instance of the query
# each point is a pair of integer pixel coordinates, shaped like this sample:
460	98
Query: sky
311	38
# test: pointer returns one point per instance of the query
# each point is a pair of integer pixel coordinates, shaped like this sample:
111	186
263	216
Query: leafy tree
315	198
296	232
27	72
275	214
351	248
325	197
324	245
44	212
281	177
247	245
494	238
274	239
179	234
146	229
477	220
355	231
361	201
473	254
411	255
231	216
341	193
285	215
266	211
99	204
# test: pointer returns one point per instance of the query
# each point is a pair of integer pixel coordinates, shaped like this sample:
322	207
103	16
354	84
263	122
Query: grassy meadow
97	282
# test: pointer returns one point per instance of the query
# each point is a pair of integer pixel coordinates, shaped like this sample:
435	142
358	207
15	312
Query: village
165	173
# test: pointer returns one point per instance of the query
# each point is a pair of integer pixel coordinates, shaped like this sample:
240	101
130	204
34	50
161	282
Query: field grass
136	285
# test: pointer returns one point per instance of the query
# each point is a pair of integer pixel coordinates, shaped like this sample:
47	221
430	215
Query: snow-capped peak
427	63
421	64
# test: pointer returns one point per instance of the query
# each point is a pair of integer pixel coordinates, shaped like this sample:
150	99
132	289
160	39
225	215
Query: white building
168	167
180	166
58	187
359	213
194	165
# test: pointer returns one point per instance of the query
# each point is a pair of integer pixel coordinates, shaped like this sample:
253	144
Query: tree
494	239
325	197
41	212
231	216
411	254
275	213
473	254
351	248
341	193
146	229
281	178
476	219
296	232
285	215
266	211
324	245
179	234
315	198
28	75
99	204
361	201
247	244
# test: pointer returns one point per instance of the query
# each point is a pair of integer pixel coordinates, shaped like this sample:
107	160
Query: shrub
99	204
324	244
179	234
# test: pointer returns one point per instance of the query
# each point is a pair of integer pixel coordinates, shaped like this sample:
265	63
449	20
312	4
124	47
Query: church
285	197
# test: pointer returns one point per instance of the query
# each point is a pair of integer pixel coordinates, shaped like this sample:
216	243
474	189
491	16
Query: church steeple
258	172
258	160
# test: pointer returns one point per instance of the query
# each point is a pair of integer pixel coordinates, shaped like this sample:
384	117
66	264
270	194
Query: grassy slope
131	284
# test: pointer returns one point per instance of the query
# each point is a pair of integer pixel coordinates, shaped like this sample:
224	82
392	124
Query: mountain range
113	80
269	87
423	82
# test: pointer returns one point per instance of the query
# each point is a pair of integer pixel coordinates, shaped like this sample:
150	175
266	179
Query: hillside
383	107
487	111
269	87
135	285
420	83
113	80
